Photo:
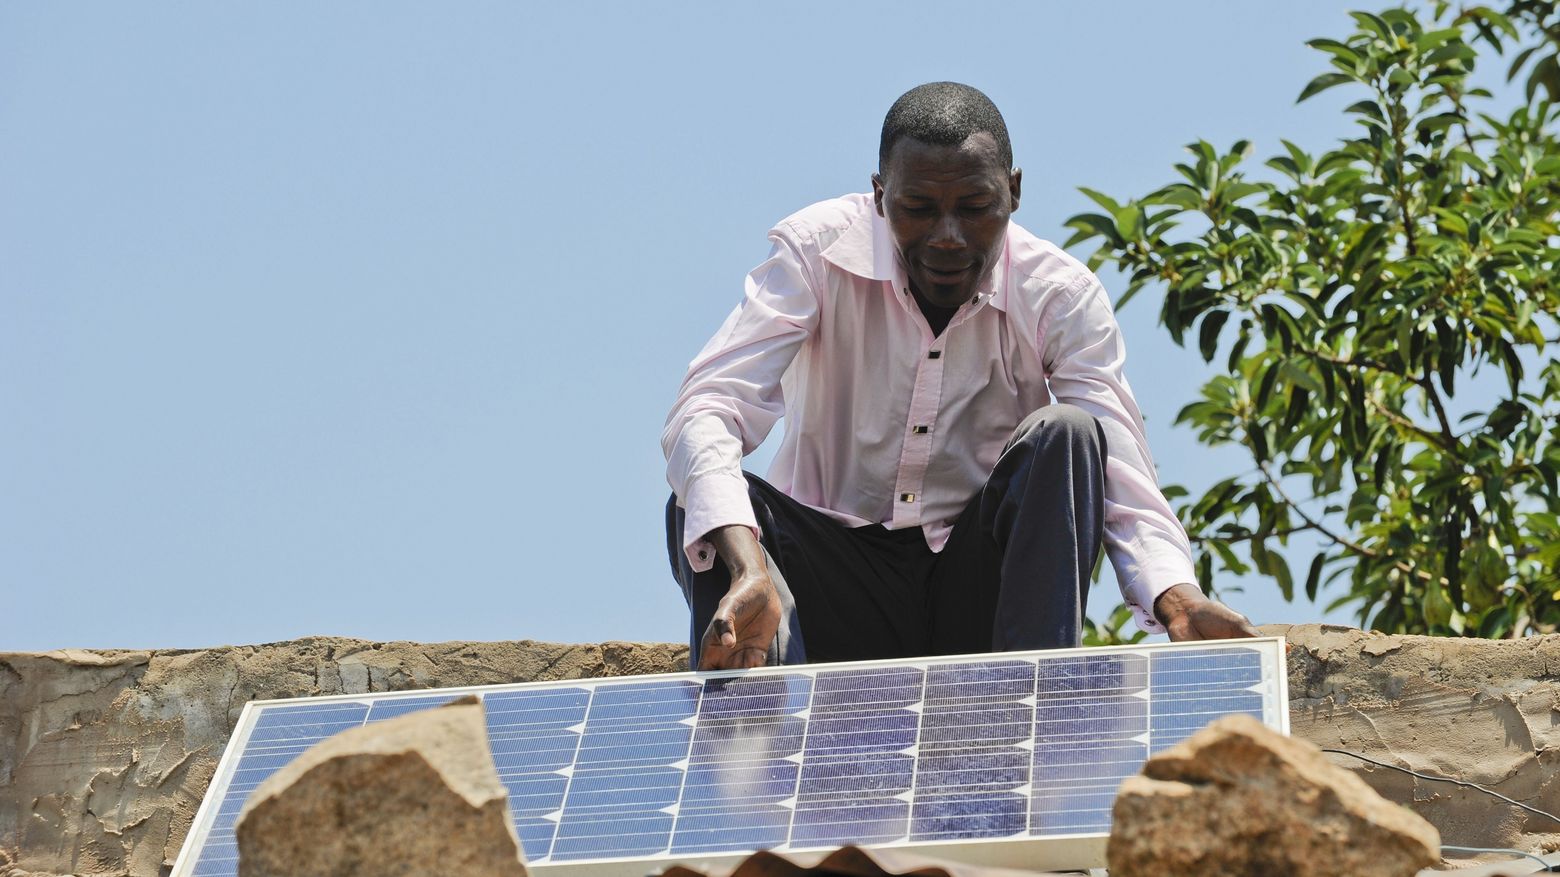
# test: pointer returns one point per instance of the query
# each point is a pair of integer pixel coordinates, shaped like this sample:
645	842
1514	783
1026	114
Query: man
959	435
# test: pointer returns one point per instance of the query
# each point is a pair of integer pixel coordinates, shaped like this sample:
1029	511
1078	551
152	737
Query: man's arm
728	403
1085	358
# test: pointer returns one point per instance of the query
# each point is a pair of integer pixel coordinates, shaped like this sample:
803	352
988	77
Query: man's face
948	208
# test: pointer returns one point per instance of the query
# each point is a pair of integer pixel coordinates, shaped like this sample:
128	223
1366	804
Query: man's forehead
977	157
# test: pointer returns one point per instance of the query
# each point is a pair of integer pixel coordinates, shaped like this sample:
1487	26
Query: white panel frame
1053	852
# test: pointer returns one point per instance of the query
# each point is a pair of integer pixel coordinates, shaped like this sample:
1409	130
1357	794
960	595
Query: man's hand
744	626
1188	615
748	617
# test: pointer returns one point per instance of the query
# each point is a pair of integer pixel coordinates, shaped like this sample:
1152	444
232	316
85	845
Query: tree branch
1350	544
1432	437
1449	437
1248	537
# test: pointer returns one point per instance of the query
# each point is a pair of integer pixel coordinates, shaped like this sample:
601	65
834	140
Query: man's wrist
1176	601
739	550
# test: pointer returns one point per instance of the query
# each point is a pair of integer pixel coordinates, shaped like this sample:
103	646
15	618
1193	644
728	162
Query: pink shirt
885	423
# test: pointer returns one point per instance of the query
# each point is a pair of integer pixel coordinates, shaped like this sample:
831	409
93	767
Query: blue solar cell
743	767
534	735
856	765
708	831
1091	732
1192	687
389	709
632	759
973	771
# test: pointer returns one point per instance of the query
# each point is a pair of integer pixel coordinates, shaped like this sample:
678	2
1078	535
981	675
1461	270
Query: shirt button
921	430
907	497
704	555
935	354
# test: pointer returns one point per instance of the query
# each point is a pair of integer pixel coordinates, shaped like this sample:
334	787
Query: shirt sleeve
731	397
1084	359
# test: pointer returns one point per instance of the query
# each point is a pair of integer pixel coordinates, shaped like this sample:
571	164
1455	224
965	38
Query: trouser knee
1059	425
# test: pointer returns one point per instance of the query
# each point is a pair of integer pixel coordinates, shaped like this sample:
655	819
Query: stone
1238	798
411	796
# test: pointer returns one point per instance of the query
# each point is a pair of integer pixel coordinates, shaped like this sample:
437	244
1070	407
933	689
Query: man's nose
947	233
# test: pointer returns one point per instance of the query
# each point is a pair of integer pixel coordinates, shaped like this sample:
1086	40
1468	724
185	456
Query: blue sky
363	318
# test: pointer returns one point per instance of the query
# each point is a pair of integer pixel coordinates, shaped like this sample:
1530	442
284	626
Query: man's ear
1015	183
877	193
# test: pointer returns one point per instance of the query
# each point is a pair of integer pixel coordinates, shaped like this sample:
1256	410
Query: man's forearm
739	550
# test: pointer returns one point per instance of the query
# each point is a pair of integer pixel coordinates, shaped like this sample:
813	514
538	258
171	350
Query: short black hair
943	114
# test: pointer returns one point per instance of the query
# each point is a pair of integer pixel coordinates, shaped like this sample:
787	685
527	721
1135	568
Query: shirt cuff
1151	579
713	501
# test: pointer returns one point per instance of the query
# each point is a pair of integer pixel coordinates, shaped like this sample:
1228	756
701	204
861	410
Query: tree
1350	295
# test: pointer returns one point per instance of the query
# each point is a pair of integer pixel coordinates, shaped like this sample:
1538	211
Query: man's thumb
724	626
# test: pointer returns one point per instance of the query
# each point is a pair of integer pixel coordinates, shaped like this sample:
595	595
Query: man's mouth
946	274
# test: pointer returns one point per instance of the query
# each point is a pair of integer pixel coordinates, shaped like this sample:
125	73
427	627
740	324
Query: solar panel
1001	759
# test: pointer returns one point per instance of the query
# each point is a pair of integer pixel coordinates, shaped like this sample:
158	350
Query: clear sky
363	318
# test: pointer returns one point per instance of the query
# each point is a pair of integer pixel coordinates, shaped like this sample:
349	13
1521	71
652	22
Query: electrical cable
1464	783
1548	867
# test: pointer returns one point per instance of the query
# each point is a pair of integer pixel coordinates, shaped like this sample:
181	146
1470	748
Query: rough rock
1238	798
104	755
415	795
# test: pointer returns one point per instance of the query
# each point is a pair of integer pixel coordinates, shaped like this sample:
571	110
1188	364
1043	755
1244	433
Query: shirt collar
866	248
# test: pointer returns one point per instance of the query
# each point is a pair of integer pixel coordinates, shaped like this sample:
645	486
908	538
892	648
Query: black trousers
1014	574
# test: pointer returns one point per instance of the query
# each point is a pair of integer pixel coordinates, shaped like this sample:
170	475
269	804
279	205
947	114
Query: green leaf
1368	108
1129	221
1280	571
1496	624
1372	23
1322	83
1231	562
1432	40
1437	607
1334	48
1232	364
1101	199
1313	578
1208	334
1093	225
1521	59
1300	377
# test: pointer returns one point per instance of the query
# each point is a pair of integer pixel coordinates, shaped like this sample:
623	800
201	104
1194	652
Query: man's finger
717	639
722	626
710	652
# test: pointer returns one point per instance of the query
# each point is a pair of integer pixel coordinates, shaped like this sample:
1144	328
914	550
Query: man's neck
937	317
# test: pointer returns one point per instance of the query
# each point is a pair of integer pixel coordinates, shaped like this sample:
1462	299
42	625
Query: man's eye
977	207
915	208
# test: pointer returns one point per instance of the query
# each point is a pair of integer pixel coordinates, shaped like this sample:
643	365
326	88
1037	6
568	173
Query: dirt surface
104	755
